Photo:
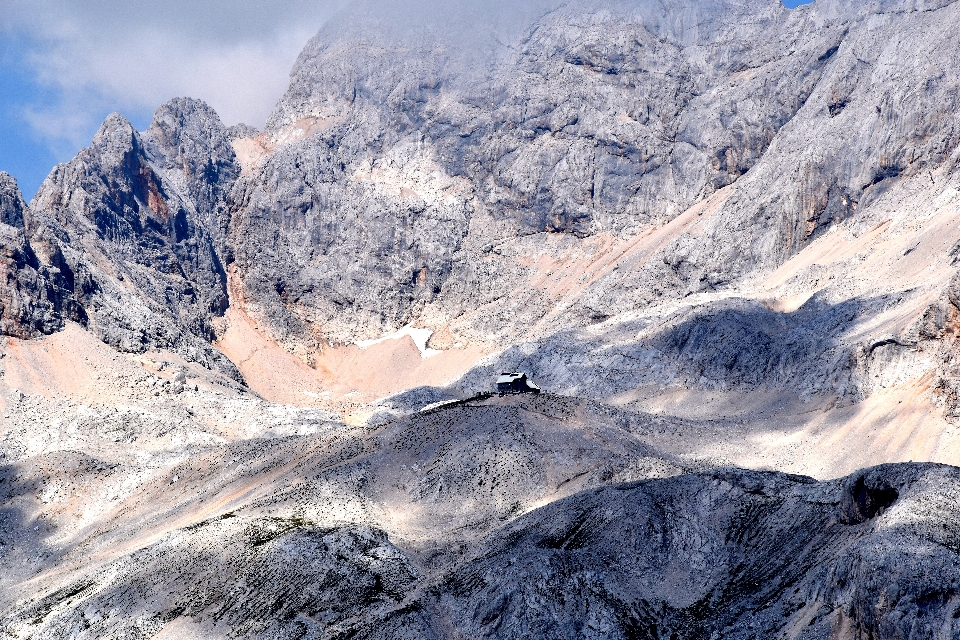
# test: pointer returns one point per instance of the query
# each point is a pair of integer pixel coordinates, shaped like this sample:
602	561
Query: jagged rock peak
176	113
115	136
186	130
148	204
12	205
192	148
241	130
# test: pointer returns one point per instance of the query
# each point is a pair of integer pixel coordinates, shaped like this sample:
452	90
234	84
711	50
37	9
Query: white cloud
134	55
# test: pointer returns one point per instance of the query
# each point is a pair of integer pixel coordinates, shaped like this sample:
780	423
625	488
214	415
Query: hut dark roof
516	382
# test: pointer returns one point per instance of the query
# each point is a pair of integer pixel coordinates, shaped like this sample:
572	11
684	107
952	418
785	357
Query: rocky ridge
721	235
433	525
385	193
109	242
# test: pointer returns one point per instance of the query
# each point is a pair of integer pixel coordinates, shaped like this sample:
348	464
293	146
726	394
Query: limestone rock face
190	147
504	175
717	233
130	213
406	179
593	118
26	307
35	297
12	205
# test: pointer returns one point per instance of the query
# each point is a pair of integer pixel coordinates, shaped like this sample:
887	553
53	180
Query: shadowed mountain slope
433	525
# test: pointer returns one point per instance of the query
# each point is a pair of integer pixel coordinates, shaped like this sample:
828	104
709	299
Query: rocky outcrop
35	297
189	146
131	214
594	118
762	555
12	205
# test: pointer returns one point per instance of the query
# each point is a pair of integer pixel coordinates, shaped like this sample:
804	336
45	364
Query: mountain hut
516	382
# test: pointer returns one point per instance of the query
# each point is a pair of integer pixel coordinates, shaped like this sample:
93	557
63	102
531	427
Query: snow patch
419	337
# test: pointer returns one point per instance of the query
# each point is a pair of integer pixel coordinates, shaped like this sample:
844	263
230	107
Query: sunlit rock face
128	219
470	180
246	377
501	174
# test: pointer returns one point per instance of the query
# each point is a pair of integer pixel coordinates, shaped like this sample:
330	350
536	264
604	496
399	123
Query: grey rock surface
732	344
30	299
425	163
190	146
137	219
407	177
654	208
12	205
35	298
578	126
433	525
728	554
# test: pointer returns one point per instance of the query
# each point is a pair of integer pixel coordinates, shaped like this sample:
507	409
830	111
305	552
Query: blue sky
64	66
29	148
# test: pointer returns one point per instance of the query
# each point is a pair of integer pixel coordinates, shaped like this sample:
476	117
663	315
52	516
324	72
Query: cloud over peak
132	56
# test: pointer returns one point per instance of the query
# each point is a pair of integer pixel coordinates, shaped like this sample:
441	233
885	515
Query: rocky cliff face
35	297
12	205
424	184
470	181
128	220
718	233
595	119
